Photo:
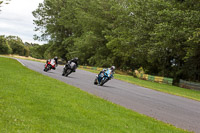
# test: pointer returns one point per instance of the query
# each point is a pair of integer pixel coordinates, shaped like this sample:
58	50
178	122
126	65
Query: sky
16	19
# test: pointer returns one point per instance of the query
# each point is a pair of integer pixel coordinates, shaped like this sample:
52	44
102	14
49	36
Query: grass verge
174	90
32	102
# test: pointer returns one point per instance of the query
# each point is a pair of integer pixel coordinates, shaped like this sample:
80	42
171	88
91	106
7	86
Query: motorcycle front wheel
47	68
95	81
103	81
64	72
68	72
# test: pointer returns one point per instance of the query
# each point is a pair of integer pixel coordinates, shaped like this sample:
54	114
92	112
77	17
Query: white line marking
19	61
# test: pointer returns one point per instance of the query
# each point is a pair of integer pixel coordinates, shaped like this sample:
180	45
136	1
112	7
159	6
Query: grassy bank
31	102
174	90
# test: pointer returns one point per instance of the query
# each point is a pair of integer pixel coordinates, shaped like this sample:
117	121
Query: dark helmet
76	58
112	68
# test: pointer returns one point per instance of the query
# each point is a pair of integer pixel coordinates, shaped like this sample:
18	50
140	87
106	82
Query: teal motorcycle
103	77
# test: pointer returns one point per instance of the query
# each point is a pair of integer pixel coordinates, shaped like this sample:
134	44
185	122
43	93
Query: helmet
112	68
76	58
55	58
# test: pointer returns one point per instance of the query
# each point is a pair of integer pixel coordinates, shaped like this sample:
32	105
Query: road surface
181	112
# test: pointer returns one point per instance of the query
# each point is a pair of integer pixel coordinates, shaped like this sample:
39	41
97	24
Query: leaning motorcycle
103	77
69	68
48	66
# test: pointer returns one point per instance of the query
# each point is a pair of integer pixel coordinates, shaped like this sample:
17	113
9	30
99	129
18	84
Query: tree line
161	36
15	45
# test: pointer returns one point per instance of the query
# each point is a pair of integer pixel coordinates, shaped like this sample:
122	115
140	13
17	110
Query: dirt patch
26	58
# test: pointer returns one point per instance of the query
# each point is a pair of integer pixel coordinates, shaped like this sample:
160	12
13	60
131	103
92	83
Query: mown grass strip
174	90
32	102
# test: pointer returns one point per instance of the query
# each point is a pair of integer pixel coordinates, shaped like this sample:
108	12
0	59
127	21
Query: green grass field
174	90
32	102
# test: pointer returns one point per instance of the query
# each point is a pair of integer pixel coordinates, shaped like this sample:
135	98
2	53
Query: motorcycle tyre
95	81
47	68
64	72
68	71
103	82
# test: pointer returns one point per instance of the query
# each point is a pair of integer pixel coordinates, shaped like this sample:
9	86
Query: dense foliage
14	45
4	47
161	36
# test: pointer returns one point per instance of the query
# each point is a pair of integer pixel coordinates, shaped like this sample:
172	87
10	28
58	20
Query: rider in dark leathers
74	60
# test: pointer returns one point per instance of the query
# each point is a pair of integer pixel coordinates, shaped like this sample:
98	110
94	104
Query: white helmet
55	58
112	68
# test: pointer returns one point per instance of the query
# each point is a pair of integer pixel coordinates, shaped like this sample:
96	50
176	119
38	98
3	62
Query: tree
54	18
158	35
38	51
17	46
4	47
6	2
192	58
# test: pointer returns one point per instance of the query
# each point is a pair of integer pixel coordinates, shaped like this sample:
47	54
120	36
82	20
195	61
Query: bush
4	47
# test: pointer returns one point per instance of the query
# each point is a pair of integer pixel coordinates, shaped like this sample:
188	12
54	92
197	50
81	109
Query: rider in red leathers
53	62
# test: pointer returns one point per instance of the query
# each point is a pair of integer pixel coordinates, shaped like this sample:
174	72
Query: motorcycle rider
53	62
75	60
112	68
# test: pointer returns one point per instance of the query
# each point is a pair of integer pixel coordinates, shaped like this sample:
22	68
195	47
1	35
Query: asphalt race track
178	111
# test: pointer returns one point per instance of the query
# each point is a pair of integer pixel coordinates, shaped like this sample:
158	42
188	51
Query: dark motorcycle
103	77
69	68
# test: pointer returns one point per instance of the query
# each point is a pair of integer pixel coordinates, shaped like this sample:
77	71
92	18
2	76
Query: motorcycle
48	66
69	68
103	77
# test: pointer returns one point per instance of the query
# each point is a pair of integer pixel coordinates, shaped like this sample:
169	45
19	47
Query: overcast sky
16	19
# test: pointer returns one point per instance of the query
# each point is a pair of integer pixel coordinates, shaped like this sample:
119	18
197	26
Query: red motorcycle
49	65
